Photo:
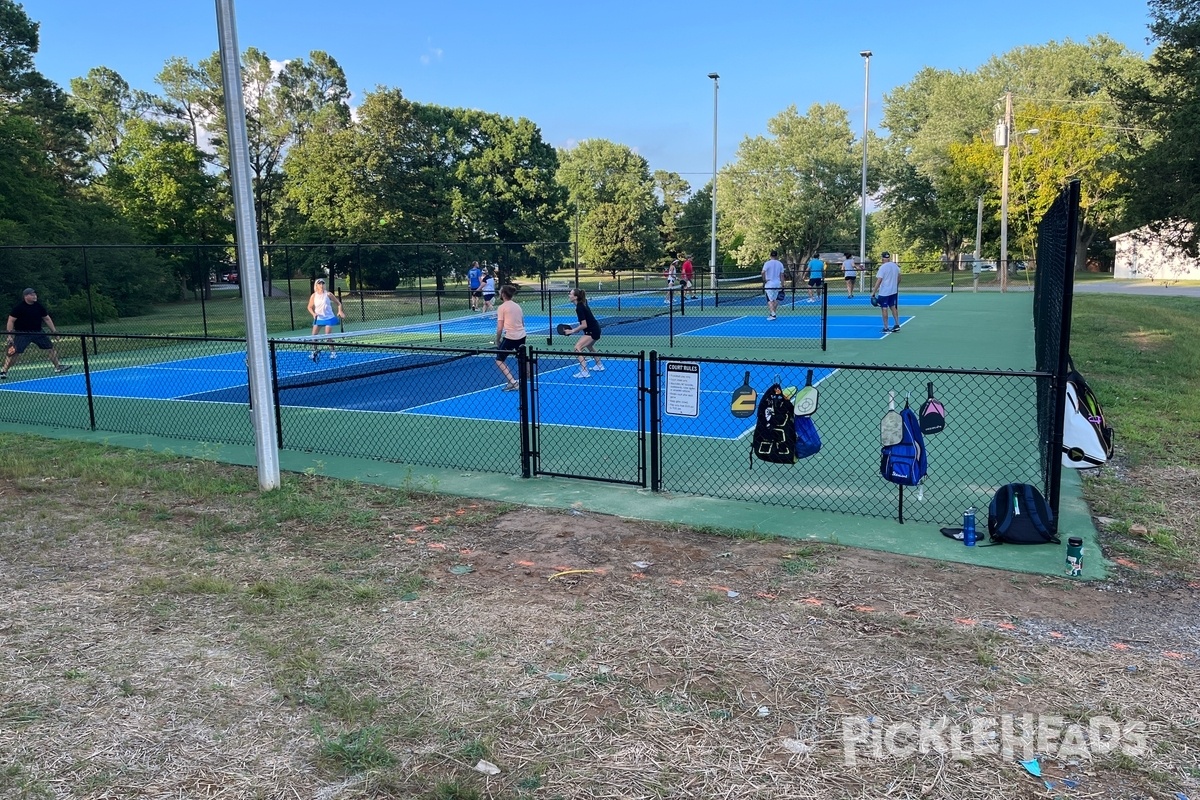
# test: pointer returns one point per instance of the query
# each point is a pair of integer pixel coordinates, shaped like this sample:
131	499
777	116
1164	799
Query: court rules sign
683	389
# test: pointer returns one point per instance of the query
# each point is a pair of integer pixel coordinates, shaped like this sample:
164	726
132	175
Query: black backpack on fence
775	429
1018	514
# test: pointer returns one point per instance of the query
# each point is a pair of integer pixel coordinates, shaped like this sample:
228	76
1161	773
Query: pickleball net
311	361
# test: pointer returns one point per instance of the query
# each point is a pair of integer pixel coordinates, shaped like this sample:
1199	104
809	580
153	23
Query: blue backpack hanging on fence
904	462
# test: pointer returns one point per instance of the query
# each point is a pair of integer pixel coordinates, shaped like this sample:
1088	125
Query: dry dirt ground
154	645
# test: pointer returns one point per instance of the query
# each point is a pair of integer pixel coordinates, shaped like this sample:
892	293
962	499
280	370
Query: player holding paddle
591	334
321	304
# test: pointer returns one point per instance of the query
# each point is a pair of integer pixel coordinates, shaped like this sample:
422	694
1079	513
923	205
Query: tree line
107	163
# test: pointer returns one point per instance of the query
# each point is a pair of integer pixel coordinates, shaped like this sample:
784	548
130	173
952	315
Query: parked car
230	277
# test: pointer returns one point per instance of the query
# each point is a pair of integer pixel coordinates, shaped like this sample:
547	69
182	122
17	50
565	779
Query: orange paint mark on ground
864	609
1055	635
1125	562
411	540
765	595
460	511
525	563
675	582
1008	626
466	551
417	528
812	601
638	576
436	546
966	621
1173	654
722	588
1119	646
436	520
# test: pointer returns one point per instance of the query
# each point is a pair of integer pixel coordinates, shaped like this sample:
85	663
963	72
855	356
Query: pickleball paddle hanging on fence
745	400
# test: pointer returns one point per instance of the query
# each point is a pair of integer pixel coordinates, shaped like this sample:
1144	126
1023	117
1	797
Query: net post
824	315
87	380
671	318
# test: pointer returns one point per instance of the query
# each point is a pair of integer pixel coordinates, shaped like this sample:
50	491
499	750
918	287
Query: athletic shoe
315	355
597	368
511	387
583	373
61	368
332	354
896	329
886	330
771	317
3	376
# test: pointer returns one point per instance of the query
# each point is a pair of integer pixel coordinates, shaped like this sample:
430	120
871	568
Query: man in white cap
25	328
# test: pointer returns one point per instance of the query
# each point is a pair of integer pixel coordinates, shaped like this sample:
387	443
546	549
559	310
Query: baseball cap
886	254
28	291
321	281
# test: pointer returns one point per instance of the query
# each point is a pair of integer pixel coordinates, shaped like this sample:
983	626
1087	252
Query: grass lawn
169	631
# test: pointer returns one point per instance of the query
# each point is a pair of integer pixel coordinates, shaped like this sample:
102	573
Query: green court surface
963	330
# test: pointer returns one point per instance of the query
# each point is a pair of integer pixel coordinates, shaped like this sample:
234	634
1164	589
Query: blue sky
633	71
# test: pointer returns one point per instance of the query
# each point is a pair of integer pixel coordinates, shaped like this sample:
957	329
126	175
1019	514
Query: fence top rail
1008	373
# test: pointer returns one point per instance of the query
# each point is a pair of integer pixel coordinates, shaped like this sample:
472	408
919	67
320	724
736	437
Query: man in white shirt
887	289
772	275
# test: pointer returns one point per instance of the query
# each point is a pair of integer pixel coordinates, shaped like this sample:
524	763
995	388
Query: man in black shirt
25	328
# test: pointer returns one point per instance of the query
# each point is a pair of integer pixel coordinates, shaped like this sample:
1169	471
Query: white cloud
431	55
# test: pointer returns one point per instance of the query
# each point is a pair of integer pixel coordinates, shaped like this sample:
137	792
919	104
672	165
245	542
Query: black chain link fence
610	421
1052	303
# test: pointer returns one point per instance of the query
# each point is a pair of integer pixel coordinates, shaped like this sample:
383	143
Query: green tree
504	187
1160	107
941	156
672	190
157	179
795	190
599	173
110	105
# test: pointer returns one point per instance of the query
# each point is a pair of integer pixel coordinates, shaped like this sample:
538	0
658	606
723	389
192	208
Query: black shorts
508	346
23	340
477	293
815	283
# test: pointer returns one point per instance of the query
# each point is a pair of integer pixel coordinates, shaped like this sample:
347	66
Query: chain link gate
593	427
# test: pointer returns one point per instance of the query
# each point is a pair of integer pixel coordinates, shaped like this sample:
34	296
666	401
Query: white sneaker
583	373
332	354
597	368
770	317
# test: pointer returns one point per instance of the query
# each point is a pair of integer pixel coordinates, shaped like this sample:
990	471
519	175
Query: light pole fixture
1004	135
712	254
862	227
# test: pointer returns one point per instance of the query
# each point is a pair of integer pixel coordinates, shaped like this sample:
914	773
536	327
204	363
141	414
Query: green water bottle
1074	556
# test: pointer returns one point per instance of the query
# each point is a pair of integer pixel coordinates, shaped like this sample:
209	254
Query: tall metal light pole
258	363
862	228
712	255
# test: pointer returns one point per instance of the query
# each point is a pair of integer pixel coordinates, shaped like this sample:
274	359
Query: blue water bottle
969	527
